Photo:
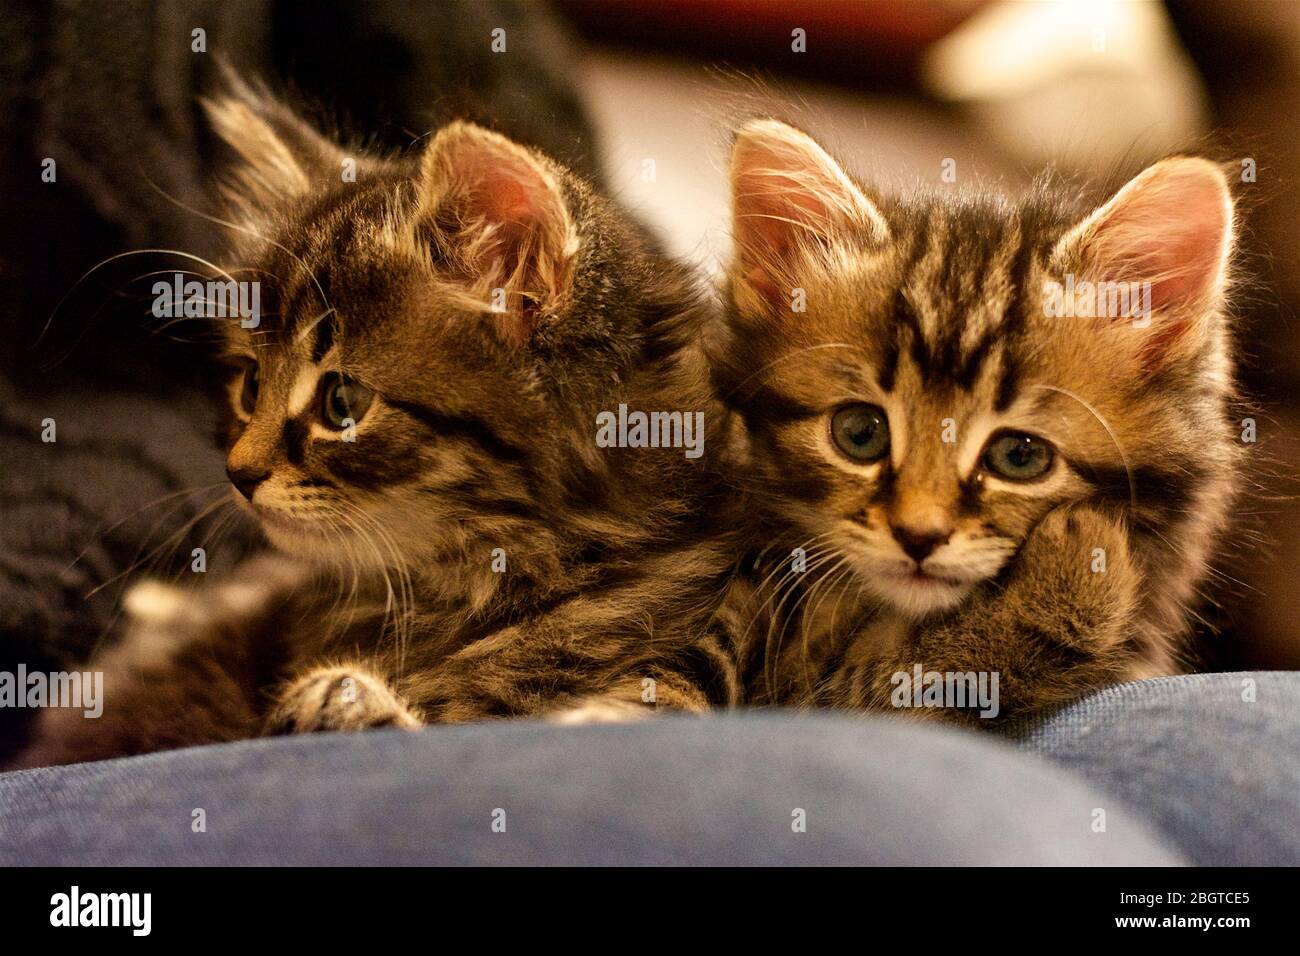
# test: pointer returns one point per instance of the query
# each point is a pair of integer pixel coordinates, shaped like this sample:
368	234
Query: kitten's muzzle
246	478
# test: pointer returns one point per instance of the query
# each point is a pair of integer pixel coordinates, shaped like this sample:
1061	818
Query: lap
746	789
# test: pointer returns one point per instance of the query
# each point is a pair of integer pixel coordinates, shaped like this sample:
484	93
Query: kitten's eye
248	394
1018	456
861	432
343	398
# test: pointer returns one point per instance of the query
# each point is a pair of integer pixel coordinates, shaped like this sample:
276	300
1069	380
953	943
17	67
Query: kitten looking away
999	429
412	421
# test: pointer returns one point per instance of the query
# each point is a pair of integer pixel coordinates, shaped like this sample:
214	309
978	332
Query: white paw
601	710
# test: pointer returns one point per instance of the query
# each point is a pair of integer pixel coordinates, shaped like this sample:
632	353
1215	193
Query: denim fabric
1215	771
721	790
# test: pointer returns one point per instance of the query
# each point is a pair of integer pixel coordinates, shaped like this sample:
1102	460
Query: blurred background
1092	88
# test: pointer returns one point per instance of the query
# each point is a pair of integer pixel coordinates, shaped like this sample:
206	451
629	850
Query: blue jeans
1212	760
1158	772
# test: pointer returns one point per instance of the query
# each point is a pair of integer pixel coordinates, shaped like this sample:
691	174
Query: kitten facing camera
995	431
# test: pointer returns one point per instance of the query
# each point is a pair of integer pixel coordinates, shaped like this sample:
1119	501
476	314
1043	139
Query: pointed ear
790	200
499	220
274	155
1168	235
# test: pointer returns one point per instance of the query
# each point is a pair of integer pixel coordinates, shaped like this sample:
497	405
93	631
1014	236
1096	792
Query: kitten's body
460	547
615	590
594	540
931	311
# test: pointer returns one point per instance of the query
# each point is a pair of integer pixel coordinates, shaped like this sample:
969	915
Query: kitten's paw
1077	568
339	698
600	710
1078	541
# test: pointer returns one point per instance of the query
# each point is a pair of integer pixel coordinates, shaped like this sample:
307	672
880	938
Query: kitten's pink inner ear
1171	227
510	214
502	216
500	186
788	196
773	204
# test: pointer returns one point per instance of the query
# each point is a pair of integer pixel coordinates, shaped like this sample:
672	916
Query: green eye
248	394
1017	456
342	398
861	432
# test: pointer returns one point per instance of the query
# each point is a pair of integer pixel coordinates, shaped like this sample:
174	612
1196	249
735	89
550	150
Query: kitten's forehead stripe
908	327
900	310
1014	317
961	297
950	251
1008	381
324	338
970	367
333	238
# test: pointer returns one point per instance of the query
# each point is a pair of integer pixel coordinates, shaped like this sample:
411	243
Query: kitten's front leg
567	675
339	697
1058	628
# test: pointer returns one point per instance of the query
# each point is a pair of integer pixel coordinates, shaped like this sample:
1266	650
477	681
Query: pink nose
918	545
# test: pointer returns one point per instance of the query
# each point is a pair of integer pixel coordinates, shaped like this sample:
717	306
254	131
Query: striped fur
481	436
932	307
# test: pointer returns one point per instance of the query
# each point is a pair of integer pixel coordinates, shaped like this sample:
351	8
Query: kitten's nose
246	478
918	544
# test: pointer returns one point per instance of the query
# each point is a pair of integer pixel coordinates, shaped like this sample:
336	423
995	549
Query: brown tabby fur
385	609
619	561
932	307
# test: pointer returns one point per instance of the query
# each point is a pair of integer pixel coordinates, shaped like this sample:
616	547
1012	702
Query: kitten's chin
299	540
918	595
302	538
330	545
331	550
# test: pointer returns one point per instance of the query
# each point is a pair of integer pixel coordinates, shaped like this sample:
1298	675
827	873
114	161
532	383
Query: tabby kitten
413	423
985	471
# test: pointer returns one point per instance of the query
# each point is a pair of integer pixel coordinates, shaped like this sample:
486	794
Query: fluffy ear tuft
789	200
1168	236
275	155
500	222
